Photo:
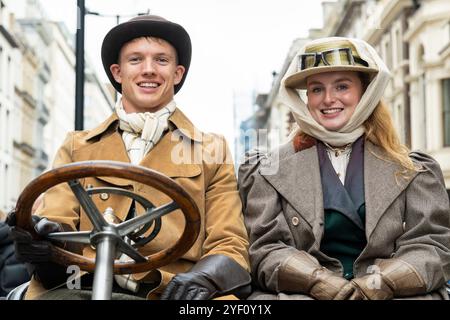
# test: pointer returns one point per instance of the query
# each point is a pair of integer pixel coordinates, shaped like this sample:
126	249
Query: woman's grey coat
408	219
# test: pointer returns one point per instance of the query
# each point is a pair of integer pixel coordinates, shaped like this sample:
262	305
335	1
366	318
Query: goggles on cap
333	57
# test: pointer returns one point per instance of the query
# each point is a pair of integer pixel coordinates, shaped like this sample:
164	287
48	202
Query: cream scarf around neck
354	127
142	131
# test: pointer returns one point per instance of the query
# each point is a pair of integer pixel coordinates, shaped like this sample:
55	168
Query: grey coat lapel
381	187
297	179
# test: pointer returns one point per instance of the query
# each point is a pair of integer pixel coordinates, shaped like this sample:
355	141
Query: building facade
428	39
271	121
37	94
8	78
30	114
98	101
280	120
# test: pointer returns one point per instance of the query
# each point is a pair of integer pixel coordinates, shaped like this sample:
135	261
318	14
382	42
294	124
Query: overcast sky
236	45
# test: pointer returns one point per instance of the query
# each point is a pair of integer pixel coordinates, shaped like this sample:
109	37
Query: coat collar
177	121
296	176
111	122
110	146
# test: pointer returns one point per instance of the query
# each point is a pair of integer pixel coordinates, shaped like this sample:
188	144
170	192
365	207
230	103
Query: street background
241	50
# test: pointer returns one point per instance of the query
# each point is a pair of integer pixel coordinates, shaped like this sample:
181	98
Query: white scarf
142	131
354	127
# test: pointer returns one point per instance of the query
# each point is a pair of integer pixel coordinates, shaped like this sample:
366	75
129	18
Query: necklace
338	150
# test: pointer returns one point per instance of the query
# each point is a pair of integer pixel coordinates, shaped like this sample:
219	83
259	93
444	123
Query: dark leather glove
396	278
28	249
37	253
213	276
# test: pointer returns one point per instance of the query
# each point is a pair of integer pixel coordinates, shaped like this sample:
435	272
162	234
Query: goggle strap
361	61
317	59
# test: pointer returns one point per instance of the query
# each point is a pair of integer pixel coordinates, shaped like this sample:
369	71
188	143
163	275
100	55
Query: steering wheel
108	237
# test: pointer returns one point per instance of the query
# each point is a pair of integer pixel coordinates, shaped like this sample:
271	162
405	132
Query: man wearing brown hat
147	60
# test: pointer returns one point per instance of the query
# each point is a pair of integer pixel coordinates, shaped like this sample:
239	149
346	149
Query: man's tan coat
206	172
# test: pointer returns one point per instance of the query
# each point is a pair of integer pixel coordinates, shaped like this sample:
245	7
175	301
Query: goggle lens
334	57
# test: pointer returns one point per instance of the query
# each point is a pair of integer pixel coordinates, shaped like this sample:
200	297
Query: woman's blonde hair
380	131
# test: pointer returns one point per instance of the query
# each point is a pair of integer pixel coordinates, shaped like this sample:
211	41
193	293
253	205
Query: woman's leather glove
395	278
213	276
302	273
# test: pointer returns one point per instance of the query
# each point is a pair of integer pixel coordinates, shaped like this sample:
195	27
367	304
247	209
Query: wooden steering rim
126	171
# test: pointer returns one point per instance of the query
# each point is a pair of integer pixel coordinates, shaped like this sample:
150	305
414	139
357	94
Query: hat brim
298	80
173	33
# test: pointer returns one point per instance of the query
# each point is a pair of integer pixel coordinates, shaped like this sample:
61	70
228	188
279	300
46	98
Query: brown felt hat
146	26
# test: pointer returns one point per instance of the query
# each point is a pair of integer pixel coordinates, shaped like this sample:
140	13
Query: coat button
104	196
295	221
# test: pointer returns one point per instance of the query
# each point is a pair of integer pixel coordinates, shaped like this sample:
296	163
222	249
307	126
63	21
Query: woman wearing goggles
344	210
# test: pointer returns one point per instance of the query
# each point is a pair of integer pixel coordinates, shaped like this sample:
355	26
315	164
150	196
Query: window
422	89
387	51
6	132
8	76
401	122
1	73
423	121
2	143
446	111
398	45
5	186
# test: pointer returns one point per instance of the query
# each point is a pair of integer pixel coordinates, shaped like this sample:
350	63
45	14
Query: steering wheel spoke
130	251
129	226
88	205
72	236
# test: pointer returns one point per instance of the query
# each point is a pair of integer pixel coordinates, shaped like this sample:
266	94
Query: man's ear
179	72
115	70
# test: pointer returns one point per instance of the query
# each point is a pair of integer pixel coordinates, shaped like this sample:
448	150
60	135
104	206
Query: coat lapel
109	147
297	179
174	154
381	187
